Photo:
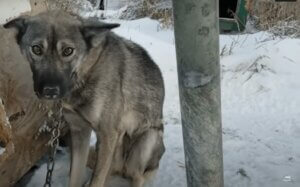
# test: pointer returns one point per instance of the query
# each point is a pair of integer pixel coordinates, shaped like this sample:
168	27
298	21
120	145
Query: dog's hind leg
80	141
144	156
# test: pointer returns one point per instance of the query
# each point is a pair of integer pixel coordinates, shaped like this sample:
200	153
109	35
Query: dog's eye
68	51
37	50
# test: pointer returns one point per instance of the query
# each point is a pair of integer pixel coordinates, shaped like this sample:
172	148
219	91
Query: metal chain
57	120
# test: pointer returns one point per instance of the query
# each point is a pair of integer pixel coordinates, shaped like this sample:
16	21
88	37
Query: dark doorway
101	5
227	8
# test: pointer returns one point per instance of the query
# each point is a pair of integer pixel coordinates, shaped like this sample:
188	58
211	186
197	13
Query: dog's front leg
80	144
80	150
105	152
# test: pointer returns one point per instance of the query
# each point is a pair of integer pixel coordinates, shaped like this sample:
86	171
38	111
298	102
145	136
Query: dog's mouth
48	97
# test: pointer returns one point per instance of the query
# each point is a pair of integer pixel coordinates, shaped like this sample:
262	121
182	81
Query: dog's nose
51	92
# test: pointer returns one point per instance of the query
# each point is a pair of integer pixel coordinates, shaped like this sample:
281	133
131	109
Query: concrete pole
197	46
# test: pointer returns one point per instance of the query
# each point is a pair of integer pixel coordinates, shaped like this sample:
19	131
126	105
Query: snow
9	8
260	107
2	150
116	4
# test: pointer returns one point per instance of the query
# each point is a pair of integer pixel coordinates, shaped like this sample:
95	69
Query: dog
106	83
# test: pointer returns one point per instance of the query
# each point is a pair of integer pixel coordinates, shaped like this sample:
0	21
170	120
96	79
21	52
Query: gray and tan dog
107	84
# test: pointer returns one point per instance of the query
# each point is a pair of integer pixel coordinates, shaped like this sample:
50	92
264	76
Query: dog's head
55	44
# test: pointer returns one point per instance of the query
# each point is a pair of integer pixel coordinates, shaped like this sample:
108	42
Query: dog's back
137	97
126	77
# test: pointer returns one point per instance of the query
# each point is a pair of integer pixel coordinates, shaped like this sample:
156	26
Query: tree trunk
197	46
21	114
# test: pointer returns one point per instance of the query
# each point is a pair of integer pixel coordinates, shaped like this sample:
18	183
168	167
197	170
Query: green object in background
233	15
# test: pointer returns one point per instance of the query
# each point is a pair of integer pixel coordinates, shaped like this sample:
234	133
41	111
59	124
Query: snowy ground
260	105
261	111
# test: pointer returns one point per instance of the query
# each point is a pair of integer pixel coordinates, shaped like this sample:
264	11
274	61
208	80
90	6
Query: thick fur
108	84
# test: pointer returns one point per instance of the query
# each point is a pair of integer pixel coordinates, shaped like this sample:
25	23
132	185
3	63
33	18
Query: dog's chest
87	104
79	100
80	97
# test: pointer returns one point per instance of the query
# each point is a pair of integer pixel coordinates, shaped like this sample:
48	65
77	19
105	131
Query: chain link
56	120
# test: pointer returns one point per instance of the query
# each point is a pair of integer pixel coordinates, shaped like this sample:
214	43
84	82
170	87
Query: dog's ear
93	31
20	24
17	23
